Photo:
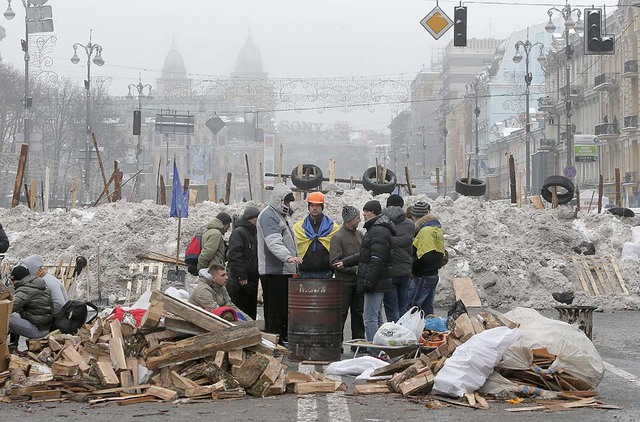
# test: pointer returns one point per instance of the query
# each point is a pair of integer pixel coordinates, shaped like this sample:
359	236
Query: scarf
306	236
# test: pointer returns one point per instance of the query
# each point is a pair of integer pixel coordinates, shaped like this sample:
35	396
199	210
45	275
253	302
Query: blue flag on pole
179	199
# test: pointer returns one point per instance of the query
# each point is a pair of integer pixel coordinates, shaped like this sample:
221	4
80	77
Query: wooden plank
71	354
181	326
116	347
100	164
107	375
596	291
46	394
162	393
393	368
182	382
372	388
22	162
190	312
211	189
32	195
236	357
332	171
615	287
596	269
246	162
578	269
466	291
408	177
537	202
227	192
317	387
204	390
620	279
251	370
204	345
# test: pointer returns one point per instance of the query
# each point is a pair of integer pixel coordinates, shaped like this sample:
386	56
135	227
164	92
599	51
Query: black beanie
395	200
373	206
224	218
19	272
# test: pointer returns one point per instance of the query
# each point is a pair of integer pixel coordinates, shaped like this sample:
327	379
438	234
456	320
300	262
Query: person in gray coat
396	300
35	265
277	259
32	306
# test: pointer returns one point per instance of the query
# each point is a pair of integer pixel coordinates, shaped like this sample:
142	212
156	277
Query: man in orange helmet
313	236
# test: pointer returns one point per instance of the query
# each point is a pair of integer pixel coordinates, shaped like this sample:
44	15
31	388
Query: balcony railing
631	66
606	129
606	82
546	103
630	123
575	91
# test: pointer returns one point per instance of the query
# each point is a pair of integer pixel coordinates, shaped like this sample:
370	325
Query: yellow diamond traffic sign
436	22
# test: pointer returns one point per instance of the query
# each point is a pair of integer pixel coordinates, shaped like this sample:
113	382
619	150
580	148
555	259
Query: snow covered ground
516	256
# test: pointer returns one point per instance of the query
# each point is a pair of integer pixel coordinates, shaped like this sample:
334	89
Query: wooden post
227	193
575	215
246	162
32	195
438	181
600	193
618	188
408	176
261	183
280	164
332	171
133	189
104	190
22	162
519	201
469	171
193	197
104	176
117	181
158	181
377	171
211	189
87	287
591	201
185	188
554	197
74	192
383	176
352	184
42	194
163	191
512	178
45	191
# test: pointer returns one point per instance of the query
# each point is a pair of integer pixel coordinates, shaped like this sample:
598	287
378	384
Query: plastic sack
413	319
355	366
392	334
177	293
472	362
435	323
575	353
454	312
498	386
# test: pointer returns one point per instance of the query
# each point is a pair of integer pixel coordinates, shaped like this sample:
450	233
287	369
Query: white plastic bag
392	334
355	366
413	319
472	362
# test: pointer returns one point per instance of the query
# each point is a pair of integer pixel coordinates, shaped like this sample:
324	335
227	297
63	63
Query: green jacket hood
215	224
31	281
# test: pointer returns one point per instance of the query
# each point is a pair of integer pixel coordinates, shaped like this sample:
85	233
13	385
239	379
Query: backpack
193	253
72	316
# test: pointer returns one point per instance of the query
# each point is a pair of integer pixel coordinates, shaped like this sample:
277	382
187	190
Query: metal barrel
315	319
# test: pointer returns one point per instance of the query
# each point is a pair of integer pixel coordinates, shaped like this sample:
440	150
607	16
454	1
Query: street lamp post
566	13
139	88
89	49
527	46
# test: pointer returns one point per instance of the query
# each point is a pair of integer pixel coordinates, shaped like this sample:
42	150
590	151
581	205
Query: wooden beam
22	162
227	191
512	178
246	162
211	189
32	195
261	182
408	177
74	192
117	185
332	170
191	313
618	187
438	181
104	176
163	191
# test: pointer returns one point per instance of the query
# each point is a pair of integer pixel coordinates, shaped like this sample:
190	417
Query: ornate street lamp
90	49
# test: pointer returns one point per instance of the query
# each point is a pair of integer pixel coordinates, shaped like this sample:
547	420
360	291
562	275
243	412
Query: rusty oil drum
315	319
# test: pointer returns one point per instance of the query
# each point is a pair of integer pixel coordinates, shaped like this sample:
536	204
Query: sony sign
304	127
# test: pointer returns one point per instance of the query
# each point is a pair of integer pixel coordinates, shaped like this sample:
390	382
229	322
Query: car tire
370	183
477	187
621	212
560	181
310	178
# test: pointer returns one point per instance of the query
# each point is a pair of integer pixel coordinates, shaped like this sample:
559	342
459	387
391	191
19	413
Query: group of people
394	263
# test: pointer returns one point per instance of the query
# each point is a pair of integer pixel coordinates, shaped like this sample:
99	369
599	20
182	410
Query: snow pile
516	256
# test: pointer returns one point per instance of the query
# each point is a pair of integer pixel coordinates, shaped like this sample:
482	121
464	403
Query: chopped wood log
154	339
236	357
236	393
71	354
46	394
204	345
477	325
204	390
421	383
181	326
142	398
219	359
272	371
372	388
65	369
54	345
212	373
151	318
318	387
190	312
251	370
107	375
181	382
273	338
36	346
280	386
481	402
296	377
393	368
259	389
162	393
463	329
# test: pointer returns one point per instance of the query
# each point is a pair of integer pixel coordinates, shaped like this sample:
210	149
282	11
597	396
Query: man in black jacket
373	272
243	263
4	240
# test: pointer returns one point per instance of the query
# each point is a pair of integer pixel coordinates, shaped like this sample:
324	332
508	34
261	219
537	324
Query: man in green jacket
211	294
32	306
213	246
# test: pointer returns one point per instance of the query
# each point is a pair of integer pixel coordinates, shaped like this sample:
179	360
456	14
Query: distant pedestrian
243	263
395	300
4	240
344	255
213	246
428	254
277	259
313	236
373	266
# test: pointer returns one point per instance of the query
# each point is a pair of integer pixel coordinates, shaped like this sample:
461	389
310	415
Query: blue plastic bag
434	323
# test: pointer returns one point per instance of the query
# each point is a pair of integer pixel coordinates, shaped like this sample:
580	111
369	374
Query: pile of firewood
202	356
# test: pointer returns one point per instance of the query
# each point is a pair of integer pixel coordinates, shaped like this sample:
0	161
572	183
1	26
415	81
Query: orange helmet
315	198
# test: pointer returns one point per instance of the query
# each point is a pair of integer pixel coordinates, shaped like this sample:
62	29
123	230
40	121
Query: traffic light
460	26
595	42
137	122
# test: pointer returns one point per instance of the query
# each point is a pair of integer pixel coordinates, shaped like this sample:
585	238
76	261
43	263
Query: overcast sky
297	38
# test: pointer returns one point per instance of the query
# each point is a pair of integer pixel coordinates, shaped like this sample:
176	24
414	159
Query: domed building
173	79
249	62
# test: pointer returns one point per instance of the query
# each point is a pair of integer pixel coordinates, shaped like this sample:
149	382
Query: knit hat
250	212
395	200
349	213
19	272
373	206
224	218
420	209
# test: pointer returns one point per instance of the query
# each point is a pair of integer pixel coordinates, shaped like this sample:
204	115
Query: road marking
307	408
337	402
622	374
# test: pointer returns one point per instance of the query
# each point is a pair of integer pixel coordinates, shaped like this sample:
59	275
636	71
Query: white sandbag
575	353
143	301
413	319
472	362
179	294
631	250
355	366
392	334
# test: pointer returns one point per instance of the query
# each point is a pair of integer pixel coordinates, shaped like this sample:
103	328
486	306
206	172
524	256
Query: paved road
615	336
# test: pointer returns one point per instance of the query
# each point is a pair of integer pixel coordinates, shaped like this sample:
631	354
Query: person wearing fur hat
313	237
428	254
213	246
277	259
243	263
32	306
345	246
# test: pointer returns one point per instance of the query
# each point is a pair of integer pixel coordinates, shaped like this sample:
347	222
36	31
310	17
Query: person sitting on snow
211	294
35	265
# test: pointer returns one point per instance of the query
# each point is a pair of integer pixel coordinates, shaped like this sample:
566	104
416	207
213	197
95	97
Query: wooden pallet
147	276
599	275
